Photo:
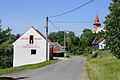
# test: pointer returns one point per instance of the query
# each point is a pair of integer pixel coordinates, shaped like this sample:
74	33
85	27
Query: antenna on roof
97	12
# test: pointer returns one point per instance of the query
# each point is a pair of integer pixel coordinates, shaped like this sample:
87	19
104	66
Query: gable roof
56	44
42	35
38	33
99	41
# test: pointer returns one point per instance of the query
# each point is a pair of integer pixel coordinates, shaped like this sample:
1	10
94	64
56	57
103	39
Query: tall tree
6	48
57	37
87	37
112	26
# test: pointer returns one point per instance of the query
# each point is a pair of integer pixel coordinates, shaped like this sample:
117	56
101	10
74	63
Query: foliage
71	40
6	48
57	37
6	55
100	35
75	45
112	26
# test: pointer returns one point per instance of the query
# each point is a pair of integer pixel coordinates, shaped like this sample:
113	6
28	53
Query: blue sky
20	15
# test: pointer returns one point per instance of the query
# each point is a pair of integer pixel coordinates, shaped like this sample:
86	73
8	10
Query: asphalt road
68	69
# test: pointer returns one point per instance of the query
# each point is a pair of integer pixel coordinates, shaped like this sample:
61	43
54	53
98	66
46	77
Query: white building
97	26
30	48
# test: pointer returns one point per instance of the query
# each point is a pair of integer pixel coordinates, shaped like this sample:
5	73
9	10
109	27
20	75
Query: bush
6	61
6	55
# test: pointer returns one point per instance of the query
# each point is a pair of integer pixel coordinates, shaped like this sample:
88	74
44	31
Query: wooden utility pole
46	38
64	45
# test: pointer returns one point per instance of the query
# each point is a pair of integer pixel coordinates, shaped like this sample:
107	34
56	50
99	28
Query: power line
73	21
71	10
53	24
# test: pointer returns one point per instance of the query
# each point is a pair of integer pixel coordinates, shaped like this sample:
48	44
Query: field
105	68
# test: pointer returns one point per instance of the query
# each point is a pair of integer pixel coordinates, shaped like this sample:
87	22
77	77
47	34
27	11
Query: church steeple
97	25
97	21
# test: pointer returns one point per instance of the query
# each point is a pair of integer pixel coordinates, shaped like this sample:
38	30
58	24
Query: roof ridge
42	35
99	40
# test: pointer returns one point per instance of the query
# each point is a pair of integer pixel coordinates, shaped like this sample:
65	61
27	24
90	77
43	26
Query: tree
4	34
6	47
112	26
87	37
57	37
71	40
6	56
74	44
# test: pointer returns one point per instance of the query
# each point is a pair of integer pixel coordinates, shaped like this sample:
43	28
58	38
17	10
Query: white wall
102	45
22	53
98	29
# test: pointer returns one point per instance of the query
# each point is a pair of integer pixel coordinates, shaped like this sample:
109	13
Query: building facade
30	48
100	44
58	50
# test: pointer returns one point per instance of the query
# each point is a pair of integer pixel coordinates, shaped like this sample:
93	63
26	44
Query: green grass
27	67
105	68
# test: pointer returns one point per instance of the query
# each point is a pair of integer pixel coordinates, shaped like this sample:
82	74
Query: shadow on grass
10	78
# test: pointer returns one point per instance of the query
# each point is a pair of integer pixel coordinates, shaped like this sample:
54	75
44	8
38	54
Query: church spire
97	21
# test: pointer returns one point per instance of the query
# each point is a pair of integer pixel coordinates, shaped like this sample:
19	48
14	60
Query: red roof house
100	43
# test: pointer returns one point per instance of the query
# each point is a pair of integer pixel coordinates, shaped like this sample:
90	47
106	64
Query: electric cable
53	24
72	9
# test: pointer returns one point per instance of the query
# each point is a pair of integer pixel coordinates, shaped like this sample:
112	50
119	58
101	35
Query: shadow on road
10	78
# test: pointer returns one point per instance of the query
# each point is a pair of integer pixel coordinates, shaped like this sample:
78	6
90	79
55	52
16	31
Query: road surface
68	69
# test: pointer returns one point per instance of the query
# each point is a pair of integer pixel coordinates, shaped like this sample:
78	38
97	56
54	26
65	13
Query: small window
31	39
33	51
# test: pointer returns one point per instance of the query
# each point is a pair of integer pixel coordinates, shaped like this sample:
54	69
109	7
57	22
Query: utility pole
46	38
64	45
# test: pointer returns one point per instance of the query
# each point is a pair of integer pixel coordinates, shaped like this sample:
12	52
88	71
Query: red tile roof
97	20
42	35
99	41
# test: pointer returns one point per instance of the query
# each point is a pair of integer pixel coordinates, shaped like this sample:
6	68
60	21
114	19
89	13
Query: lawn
106	68
27	67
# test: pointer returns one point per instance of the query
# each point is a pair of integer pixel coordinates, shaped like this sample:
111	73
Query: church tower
97	25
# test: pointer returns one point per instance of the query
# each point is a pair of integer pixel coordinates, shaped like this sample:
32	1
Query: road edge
84	71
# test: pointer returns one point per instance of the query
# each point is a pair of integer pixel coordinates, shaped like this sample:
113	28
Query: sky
20	15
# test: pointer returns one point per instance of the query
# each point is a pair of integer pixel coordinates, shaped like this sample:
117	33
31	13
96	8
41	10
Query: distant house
30	48
58	50
97	28
100	43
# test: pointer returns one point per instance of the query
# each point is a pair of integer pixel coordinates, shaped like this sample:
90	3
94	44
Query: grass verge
27	67
106	68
